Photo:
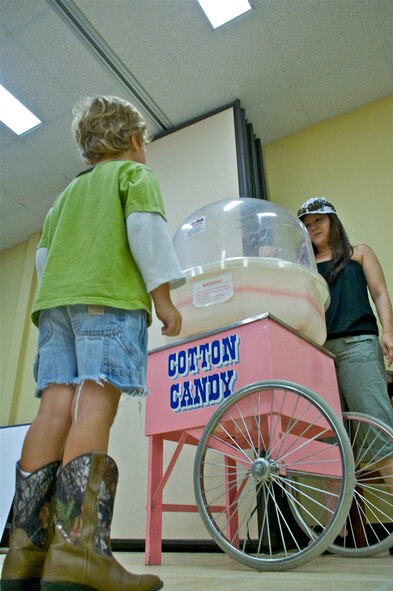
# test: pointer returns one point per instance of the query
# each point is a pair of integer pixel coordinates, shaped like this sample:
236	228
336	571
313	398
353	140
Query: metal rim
369	524
237	462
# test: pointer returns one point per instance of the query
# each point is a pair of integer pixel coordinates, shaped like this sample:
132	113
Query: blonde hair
103	125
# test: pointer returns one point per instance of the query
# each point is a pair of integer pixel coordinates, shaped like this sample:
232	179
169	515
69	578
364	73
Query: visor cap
316	205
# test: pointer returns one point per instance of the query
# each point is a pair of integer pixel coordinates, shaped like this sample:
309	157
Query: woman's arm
377	286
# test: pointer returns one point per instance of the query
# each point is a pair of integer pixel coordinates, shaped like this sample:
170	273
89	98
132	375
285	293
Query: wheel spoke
261	475
370	521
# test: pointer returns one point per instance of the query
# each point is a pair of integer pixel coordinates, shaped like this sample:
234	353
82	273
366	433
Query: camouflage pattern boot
80	557
32	529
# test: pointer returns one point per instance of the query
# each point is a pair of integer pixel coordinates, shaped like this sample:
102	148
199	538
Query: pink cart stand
272	455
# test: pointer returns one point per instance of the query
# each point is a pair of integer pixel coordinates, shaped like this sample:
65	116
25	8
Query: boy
104	254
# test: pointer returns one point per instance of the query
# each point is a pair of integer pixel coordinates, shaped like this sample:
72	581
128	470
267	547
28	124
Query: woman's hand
376	284
387	347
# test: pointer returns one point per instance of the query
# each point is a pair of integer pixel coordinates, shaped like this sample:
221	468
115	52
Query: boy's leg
94	409
73	420
36	473
46	437
80	554
32	529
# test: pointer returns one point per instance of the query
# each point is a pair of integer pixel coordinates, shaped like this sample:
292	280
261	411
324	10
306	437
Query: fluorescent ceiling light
220	12
15	115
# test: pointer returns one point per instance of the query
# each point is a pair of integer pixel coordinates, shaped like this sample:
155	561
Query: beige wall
349	160
17	334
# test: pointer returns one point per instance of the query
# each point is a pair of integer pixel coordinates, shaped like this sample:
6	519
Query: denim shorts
80	342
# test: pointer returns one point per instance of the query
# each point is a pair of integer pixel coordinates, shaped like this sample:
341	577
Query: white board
11	441
195	165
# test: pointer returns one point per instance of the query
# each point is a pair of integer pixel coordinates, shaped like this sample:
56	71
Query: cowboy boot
80	557
32	529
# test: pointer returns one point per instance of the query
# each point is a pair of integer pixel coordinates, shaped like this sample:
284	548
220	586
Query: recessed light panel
15	115
220	12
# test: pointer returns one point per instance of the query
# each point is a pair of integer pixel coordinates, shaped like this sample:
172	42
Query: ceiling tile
35	177
63	155
25	77
6	136
382	11
155	29
8	206
16	15
313	37
268	118
17	227
62	57
291	63
367	79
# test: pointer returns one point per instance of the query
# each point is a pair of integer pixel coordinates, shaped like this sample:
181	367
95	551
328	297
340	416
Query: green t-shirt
89	259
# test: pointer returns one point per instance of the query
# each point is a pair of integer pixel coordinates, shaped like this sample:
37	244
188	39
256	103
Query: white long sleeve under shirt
151	247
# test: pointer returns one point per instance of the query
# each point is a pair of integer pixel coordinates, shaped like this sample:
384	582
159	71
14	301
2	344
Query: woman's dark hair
341	248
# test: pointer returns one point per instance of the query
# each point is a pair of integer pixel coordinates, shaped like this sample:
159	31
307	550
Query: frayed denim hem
134	391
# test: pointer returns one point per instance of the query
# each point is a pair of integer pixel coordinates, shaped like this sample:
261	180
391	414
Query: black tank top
349	313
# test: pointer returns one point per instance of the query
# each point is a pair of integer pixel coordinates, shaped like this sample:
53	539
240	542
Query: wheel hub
261	469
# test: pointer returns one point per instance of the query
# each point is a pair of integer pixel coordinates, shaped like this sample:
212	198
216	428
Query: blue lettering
200	391
182	363
228	379
204	353
193	356
214	388
175	397
216	353
231	349
209	389
172	366
187	392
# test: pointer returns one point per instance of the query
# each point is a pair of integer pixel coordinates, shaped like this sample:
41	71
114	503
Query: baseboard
122	545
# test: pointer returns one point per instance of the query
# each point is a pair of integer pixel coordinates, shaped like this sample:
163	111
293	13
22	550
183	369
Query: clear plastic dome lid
244	227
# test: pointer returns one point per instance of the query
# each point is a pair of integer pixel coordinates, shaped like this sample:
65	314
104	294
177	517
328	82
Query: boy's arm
153	252
40	260
166	311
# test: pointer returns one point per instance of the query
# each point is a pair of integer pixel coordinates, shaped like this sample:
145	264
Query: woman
352	331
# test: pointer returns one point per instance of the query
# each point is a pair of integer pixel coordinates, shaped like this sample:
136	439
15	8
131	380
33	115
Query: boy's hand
171	320
166	311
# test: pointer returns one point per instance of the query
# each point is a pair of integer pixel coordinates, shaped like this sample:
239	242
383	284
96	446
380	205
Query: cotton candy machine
245	257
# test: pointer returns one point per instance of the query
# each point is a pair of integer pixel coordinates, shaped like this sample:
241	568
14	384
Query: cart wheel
262	468
369	525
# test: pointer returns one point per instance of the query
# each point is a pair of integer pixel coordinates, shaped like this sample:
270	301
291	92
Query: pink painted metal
190	379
